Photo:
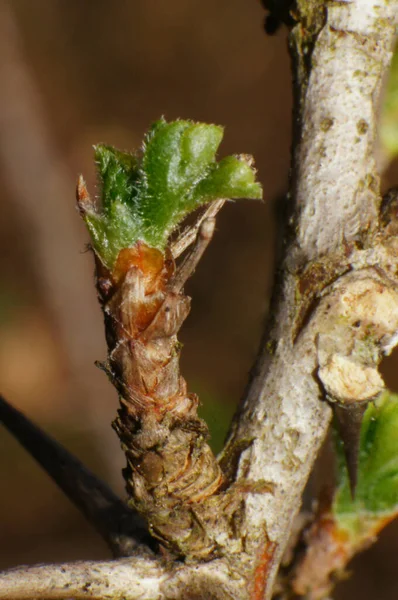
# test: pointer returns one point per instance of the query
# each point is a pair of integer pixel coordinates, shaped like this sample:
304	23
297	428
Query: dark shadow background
76	73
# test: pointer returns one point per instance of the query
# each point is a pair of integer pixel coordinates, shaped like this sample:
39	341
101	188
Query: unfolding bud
172	477
145	196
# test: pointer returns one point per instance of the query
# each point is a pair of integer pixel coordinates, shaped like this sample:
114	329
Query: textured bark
335	245
173	478
340	56
126	578
356	324
130	579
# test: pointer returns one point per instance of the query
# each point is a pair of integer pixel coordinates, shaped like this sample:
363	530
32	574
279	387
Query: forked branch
338	257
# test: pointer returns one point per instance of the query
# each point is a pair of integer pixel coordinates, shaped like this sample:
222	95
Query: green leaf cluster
376	497
145	196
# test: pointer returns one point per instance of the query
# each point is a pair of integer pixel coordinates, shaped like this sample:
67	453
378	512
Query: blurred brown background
75	73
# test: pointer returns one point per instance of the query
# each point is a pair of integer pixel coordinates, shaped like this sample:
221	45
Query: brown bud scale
172	477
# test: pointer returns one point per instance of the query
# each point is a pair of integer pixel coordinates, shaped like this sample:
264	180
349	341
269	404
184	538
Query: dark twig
121	528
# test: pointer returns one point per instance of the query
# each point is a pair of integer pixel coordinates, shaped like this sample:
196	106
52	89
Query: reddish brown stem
172	477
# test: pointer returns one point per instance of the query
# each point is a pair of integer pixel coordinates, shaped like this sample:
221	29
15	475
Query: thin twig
121	528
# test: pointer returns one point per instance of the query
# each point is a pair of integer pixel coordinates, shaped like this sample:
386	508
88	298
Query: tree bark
341	52
340	56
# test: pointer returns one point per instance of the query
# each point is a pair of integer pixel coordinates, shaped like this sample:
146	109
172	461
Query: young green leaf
389	115
376	497
145	197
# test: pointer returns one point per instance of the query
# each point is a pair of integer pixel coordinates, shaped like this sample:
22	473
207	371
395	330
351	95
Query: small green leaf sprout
376	497
389	115
145	196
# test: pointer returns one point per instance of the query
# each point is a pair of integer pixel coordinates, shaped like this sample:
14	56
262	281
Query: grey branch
283	416
130	579
335	191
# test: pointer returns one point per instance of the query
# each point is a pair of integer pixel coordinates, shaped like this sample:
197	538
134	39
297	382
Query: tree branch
341	52
131	579
121	528
335	193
